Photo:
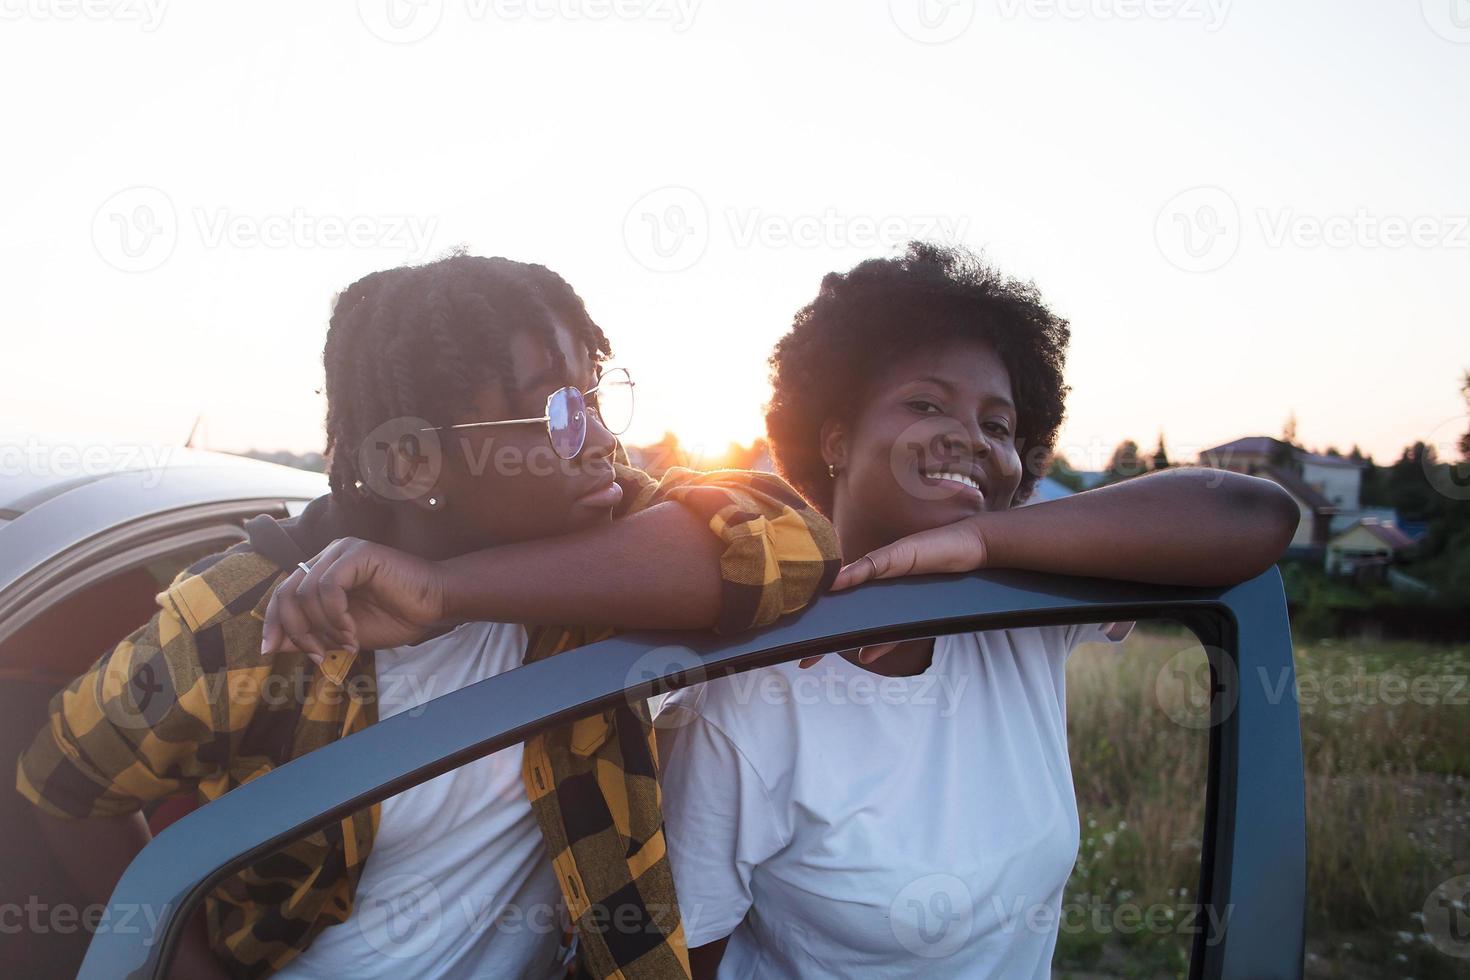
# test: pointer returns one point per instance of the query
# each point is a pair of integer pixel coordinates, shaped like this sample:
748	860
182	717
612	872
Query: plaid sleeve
137	726
780	553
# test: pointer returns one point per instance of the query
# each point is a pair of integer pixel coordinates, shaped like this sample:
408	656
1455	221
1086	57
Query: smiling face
932	442
505	483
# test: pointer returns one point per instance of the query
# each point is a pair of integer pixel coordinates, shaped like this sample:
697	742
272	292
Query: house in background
1328	489
1048	489
1365	549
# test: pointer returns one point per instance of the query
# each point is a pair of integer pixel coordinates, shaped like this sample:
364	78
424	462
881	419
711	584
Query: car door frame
1253	854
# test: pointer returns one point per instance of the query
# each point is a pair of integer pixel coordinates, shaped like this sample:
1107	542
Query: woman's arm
1188	526
656	569
728	550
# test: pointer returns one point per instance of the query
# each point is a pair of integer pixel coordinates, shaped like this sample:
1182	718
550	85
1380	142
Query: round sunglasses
611	400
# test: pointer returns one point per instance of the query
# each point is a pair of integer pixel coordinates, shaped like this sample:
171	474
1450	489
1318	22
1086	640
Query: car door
1253	872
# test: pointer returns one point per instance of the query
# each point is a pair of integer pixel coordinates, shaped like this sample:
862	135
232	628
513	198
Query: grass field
1386	741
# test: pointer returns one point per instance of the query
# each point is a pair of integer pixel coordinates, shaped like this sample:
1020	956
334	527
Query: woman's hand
957	547
357	595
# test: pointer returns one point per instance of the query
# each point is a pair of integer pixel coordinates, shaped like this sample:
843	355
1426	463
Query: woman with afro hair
908	810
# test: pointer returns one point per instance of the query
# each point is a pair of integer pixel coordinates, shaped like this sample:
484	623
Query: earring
832	470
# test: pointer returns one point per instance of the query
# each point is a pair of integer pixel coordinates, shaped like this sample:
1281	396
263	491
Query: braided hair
421	341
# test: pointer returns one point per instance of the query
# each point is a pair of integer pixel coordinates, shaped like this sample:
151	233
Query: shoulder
228	585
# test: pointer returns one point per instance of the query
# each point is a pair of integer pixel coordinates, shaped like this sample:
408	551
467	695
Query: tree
1124	464
1283	454
1161	457
1465	439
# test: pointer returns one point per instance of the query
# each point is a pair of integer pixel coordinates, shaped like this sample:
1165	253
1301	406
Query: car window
1138	735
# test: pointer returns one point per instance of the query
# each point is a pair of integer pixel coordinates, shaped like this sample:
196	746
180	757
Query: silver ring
304	567
869	557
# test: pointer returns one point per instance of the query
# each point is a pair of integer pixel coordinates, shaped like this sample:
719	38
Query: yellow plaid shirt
187	705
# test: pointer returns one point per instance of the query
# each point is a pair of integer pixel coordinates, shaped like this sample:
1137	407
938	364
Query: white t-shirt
835	822
458	883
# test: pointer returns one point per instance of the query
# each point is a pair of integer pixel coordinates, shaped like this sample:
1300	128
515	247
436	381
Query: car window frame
1253	853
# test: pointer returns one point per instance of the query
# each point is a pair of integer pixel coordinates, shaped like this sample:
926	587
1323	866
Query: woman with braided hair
479	517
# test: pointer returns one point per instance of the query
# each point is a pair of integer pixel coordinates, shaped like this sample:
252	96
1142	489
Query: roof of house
1298	488
1389	534
1245	446
1266	445
1323	459
1048	489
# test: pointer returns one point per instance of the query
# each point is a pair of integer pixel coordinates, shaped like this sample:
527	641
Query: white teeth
957	478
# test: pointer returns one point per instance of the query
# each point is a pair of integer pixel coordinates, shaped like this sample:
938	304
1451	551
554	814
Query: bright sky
1245	208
